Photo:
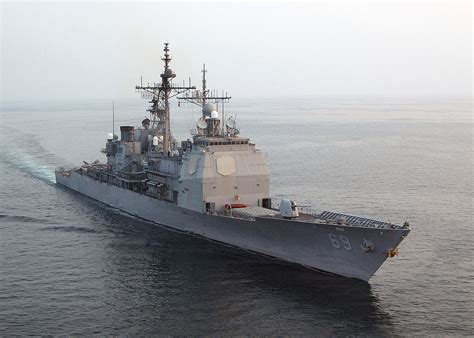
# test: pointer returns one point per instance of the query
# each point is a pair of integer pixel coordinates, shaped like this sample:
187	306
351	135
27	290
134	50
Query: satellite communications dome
214	115
208	108
110	136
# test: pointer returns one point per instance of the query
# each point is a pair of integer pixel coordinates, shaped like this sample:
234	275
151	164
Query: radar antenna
201	98
160	95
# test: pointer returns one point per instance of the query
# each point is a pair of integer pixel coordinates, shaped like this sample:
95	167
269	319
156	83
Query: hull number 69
343	242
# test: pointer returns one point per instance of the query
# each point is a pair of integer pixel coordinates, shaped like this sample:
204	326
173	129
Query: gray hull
333	248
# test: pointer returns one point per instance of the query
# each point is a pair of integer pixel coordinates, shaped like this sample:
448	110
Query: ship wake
27	155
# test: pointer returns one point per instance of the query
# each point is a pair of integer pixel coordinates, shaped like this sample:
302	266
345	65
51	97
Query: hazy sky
100	50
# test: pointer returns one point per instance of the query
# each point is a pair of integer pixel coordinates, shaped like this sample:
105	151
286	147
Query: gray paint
291	240
193	187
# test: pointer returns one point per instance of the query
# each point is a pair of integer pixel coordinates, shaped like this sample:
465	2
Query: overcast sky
100	50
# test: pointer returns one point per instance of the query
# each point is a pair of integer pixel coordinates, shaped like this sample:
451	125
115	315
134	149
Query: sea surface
72	266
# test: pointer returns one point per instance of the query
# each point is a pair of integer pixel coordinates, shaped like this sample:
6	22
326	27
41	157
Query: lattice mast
161	94
200	98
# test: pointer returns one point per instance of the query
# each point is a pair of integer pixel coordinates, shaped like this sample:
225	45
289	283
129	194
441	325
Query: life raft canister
238	205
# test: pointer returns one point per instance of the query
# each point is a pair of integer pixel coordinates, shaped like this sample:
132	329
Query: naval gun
288	209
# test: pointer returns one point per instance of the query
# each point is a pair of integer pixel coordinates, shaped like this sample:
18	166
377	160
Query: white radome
214	114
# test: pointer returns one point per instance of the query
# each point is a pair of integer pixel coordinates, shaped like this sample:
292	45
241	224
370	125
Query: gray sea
72	266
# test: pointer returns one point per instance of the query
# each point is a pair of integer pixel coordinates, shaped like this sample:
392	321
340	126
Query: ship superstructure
216	184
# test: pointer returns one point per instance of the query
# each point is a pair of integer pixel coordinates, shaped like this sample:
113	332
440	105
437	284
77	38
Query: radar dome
207	109
110	136
214	115
169	73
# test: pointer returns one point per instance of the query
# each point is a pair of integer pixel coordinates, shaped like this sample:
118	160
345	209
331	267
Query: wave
26	154
24	219
70	229
27	164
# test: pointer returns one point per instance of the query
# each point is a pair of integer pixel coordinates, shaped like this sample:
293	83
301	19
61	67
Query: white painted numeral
334	241
345	242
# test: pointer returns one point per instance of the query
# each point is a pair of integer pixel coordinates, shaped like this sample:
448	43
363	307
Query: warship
216	185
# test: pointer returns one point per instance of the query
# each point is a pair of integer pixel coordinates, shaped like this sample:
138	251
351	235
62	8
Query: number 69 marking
343	239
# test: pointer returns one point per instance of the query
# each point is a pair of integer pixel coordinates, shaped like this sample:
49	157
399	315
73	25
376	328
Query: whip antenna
113	118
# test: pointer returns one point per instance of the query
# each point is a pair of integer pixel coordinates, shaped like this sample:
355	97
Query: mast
204	92
161	93
113	119
166	77
200	99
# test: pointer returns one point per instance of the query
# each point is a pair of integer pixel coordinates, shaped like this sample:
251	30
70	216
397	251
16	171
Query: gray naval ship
216	185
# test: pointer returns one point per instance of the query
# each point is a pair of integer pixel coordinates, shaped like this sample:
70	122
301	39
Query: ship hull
336	249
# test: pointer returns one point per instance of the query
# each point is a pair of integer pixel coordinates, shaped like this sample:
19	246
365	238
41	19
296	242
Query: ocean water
69	265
